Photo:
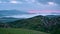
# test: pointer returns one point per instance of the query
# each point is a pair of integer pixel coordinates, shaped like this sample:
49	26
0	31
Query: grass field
19	31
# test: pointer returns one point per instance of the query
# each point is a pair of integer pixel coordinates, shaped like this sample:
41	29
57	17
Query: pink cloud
44	11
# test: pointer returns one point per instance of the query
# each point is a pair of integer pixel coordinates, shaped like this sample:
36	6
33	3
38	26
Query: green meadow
19	31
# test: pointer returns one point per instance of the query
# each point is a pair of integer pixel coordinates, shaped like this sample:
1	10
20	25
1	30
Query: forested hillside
39	23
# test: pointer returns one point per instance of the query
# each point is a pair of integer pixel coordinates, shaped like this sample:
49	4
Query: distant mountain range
51	16
11	12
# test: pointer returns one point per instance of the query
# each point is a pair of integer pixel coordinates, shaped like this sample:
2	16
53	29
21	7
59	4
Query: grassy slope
19	31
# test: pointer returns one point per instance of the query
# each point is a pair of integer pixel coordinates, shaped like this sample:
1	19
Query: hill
39	23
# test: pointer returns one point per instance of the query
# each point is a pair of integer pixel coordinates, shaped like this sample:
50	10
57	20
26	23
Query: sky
37	7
